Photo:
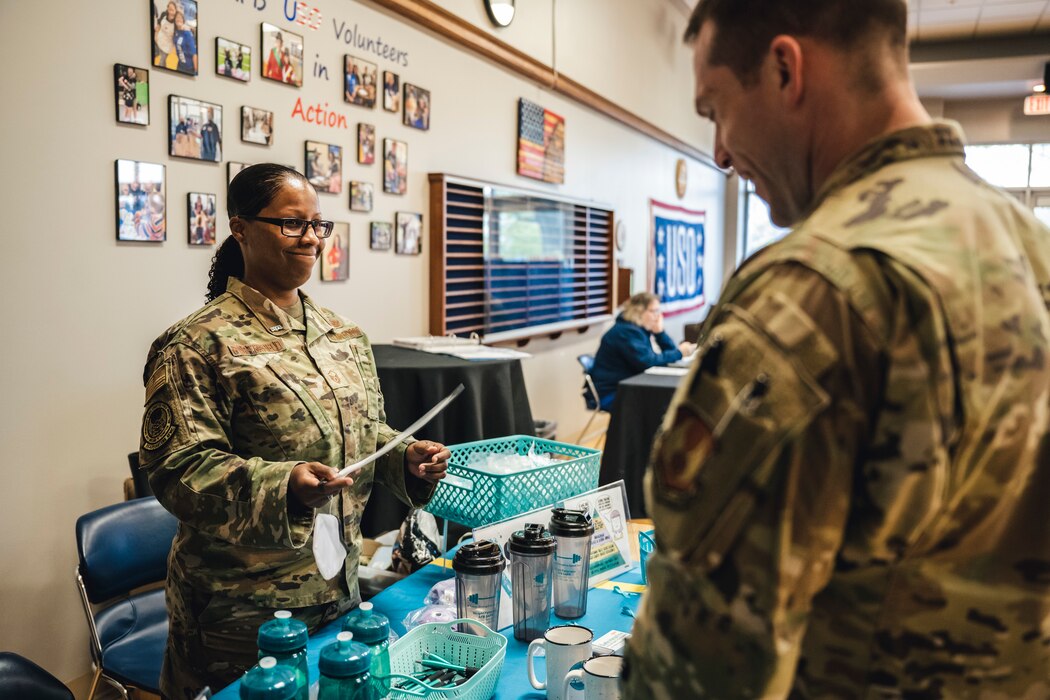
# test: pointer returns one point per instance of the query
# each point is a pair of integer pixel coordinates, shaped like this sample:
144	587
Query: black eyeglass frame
322	227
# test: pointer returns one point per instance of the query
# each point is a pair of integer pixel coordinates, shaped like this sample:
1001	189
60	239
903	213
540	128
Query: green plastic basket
475	498
484	652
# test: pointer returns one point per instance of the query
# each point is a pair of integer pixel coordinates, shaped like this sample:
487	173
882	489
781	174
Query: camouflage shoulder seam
838	265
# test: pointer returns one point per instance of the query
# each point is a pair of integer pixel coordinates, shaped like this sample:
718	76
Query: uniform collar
931	140
273	319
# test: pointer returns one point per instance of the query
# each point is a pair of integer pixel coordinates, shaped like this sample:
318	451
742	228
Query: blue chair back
124	546
589	393
21	678
587	362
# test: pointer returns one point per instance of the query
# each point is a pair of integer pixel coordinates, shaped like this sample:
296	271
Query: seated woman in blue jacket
627	347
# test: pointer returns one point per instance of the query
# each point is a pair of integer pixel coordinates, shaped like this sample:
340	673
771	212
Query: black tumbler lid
534	539
479	558
571	523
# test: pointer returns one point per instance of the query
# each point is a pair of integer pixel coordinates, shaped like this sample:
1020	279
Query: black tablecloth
635	416
494	404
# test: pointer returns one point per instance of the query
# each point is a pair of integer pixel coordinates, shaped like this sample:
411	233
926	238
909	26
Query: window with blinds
510	264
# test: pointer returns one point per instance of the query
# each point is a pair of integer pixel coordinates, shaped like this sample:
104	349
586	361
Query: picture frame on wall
408	233
141	201
381	234
335	260
194	129
256	126
233	59
131	86
366	143
200	218
361	196
417	107
173	35
232	168
395	166
282	55
359	81
541	143
324	166
391	91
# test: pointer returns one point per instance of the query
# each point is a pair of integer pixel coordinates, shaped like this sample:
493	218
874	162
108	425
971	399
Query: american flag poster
541	143
676	259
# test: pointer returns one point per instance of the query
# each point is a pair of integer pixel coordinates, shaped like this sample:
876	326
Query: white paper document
668	371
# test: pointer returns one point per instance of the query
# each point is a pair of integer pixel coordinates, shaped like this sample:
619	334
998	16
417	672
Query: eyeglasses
296	228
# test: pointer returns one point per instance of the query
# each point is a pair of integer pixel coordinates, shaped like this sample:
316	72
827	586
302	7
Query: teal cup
646	545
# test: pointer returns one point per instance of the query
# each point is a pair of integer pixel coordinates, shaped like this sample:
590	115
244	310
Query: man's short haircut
745	28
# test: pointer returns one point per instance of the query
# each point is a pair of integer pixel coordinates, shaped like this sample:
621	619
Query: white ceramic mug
564	646
600	677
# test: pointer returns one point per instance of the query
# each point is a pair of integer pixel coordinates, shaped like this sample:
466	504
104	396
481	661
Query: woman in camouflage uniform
253	403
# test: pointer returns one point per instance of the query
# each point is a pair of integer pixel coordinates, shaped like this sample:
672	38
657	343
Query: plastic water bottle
284	638
372	628
344	668
268	681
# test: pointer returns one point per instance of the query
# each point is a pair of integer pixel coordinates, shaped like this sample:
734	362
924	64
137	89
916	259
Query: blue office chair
124	547
590	398
21	678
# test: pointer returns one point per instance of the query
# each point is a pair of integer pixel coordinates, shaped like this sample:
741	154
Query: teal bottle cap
368	626
268	681
283	634
344	658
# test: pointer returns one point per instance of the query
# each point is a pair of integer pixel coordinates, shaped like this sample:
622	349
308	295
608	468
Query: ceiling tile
1029	10
924	5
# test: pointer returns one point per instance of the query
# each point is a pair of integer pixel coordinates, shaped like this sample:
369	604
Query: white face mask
329	552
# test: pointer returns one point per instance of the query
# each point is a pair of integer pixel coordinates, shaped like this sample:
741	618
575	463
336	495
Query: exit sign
1035	105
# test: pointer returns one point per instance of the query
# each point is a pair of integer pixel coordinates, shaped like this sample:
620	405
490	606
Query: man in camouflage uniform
237	395
849	490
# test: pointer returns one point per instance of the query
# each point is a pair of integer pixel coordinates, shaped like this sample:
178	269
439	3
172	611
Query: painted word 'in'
302	14
316	114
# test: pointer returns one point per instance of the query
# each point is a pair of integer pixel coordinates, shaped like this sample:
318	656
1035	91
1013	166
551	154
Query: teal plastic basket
475	498
484	652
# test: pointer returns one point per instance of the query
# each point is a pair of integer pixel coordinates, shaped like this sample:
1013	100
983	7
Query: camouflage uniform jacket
237	394
850	488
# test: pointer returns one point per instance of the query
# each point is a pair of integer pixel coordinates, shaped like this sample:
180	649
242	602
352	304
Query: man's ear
785	62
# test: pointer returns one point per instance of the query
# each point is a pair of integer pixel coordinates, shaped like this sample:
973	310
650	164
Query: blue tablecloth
603	614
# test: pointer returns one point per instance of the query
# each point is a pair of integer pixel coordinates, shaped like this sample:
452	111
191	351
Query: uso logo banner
676	259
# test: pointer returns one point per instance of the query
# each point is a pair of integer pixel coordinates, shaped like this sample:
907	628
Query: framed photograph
391	91
366	143
233	60
409	233
132	91
324	166
361	196
201	218
360	82
417	107
195	129
232	168
282	55
257	126
395	166
141	210
382	233
173	34
335	259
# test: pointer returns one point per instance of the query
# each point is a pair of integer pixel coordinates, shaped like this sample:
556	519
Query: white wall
997	121
82	309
